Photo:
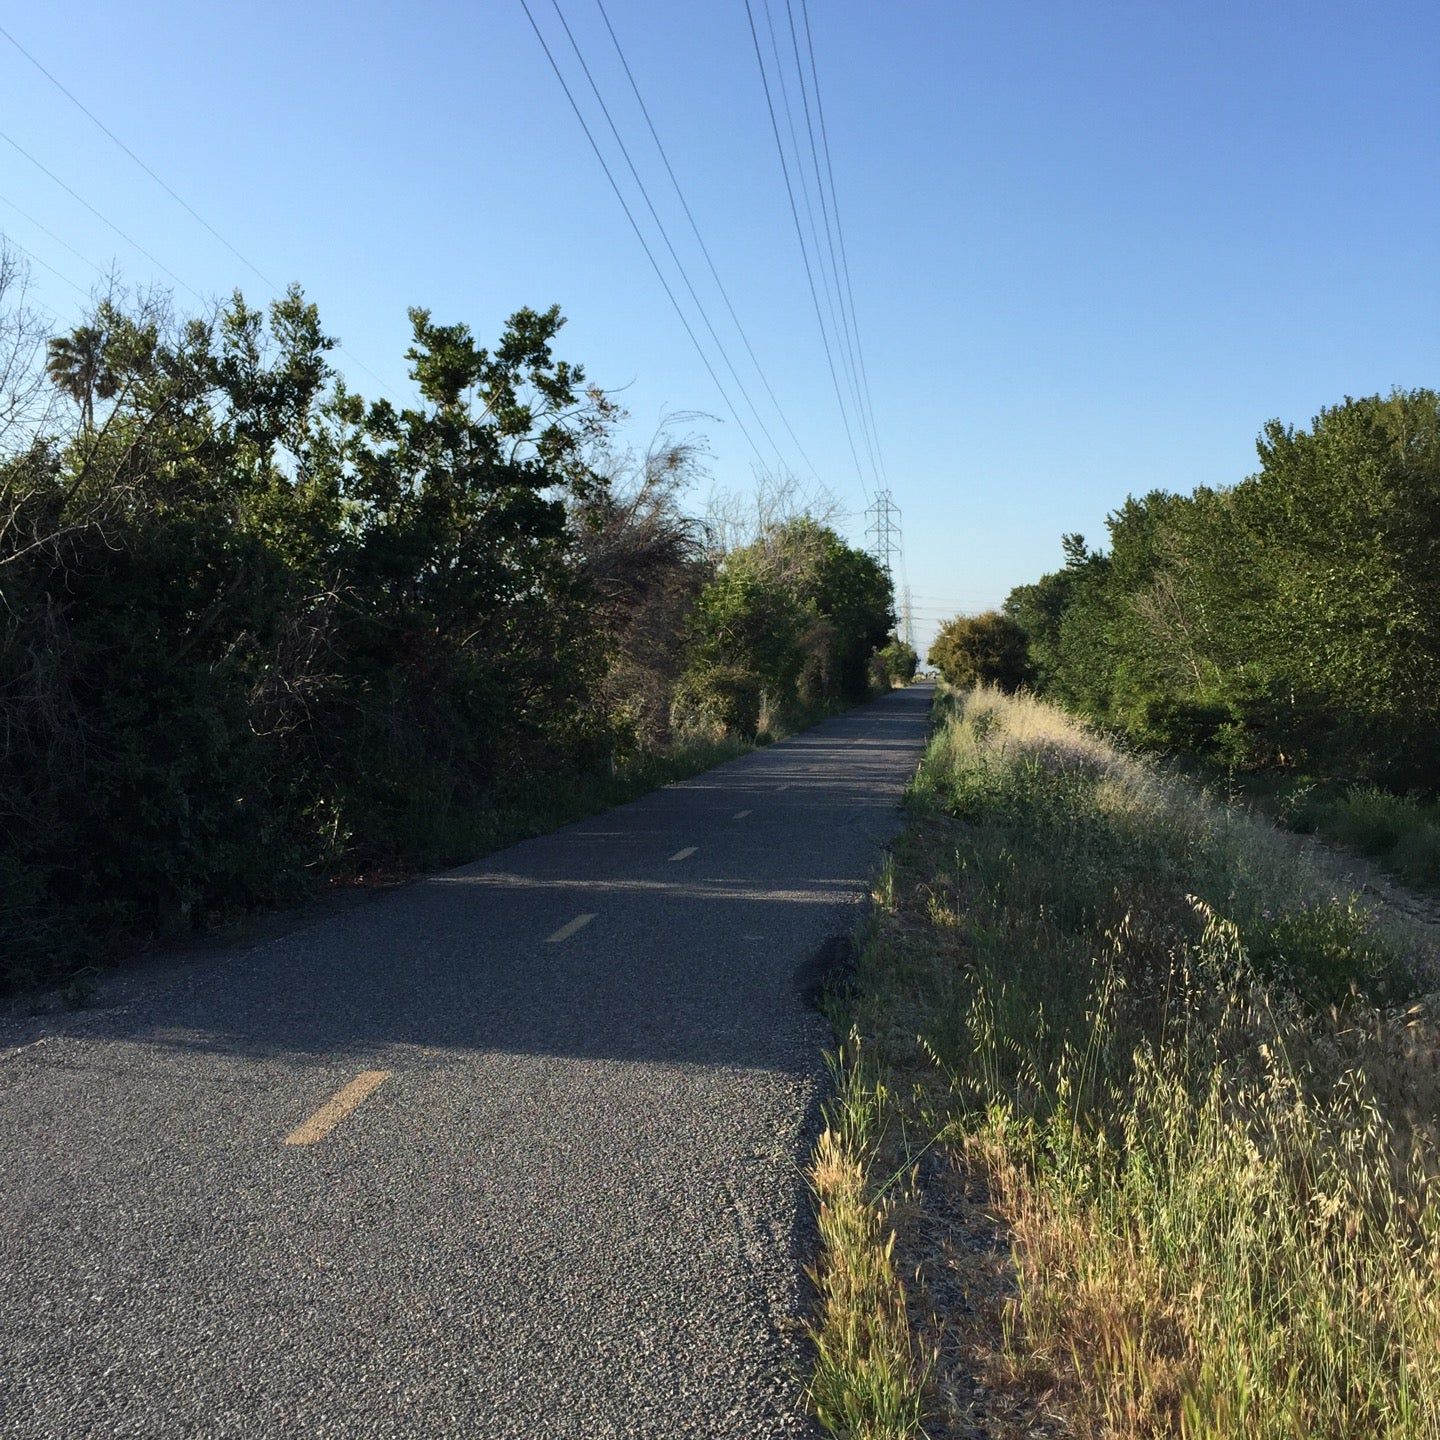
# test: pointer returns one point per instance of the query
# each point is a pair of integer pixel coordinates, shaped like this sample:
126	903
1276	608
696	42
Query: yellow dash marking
684	854
566	931
337	1107
741	814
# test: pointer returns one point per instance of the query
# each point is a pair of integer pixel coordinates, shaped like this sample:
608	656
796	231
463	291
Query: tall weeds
869	1377
1197	1076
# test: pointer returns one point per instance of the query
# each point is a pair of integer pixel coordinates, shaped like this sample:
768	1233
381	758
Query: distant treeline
255	629
1291	620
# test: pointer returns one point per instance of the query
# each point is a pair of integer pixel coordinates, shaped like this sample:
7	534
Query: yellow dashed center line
684	854
337	1107
566	931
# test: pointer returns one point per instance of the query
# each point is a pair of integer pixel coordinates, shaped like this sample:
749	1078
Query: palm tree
77	366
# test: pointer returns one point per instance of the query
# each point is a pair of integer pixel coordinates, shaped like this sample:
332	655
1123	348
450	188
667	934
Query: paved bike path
570	1203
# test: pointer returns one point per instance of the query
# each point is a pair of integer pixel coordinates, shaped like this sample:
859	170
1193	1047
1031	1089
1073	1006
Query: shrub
898	662
234	653
1373	821
987	649
717	701
1417	855
1300	600
1168	722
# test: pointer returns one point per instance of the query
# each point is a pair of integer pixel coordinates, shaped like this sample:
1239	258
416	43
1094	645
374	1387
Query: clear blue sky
1094	246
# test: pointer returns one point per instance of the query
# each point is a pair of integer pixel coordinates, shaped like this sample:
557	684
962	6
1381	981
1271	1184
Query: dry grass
1193	1080
869	1377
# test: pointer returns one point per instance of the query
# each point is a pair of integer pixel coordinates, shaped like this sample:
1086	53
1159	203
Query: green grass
1402	833
1198	1083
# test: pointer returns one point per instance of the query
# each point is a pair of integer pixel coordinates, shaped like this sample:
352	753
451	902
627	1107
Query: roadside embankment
1150	1106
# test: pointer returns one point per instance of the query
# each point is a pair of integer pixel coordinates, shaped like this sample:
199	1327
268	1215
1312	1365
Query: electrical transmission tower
883	531
907	618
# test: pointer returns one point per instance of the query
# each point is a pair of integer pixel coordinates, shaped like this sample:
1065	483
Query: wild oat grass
1198	1077
869	1378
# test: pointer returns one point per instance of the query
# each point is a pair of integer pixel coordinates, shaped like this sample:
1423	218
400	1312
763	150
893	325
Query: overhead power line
174	195
104	219
58	239
804	253
840	231
704	248
943	607
639	234
831	276
664	233
44	264
803	184
930	602
178	199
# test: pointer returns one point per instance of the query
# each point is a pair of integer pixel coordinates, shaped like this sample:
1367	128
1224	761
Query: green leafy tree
745	648
1289	620
254	624
986	649
76	365
844	596
800	613
899	661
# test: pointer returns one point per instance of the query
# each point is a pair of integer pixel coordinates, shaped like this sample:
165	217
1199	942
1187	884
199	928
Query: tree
24	337
745	655
899	661
1291	619
105	354
986	649
846	600
259	627
645	561
76	366
789	625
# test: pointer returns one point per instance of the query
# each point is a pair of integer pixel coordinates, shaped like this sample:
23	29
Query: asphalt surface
572	1207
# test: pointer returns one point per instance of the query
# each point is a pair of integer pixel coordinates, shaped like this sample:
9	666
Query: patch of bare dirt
955	1256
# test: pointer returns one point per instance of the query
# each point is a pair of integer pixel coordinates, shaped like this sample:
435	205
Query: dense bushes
1290	621
252	622
986	649
787	626
898	662
255	628
1399	831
